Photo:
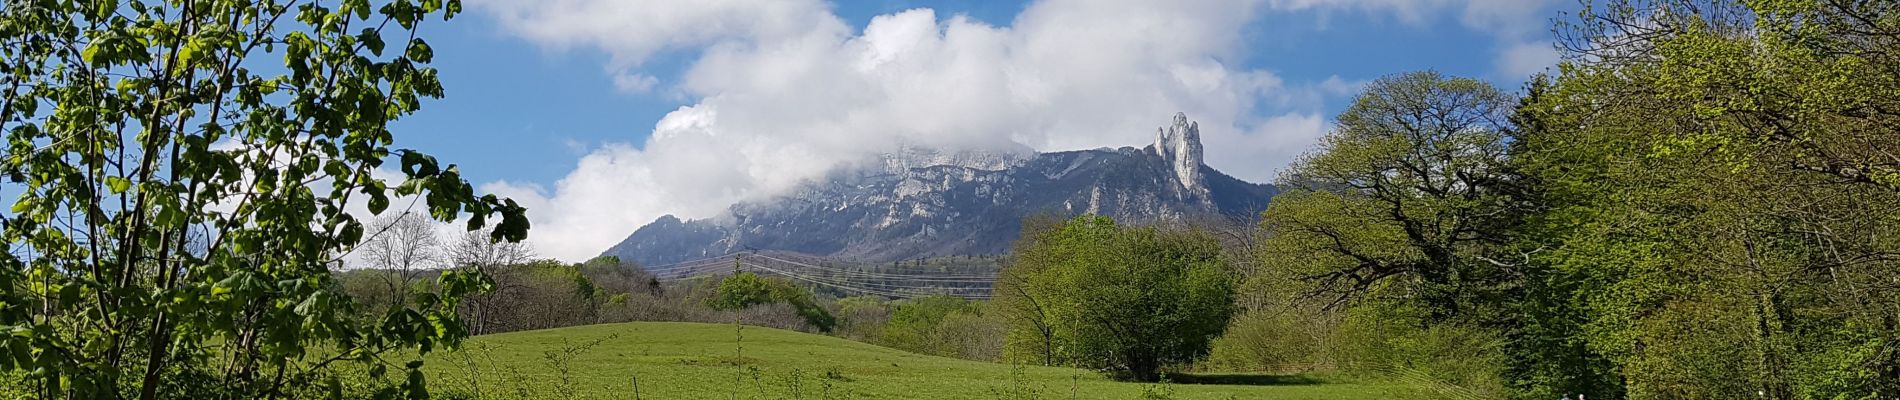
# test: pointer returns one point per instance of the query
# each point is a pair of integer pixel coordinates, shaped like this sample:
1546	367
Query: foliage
741	291
1275	341
1720	180
181	200
862	318
1700	205
1031	336
914	323
1129	300
1388	340
1410	187
1411	210
941	325
973	334
745	290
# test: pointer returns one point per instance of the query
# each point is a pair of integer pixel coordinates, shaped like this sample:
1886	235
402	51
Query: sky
603	115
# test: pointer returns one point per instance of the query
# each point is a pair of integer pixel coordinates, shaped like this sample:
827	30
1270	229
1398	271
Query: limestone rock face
1180	147
920	202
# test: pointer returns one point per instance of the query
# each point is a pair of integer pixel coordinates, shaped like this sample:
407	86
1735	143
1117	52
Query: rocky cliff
919	202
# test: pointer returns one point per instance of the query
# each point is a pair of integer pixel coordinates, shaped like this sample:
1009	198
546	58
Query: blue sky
558	102
518	111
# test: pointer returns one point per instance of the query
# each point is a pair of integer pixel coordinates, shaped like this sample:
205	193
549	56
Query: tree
1415	209
1130	300
401	247
1411	186
1720	179
1032	333
181	201
746	290
914	322
1813	82
474	249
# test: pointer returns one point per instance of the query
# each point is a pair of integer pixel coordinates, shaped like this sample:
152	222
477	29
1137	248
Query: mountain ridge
920	202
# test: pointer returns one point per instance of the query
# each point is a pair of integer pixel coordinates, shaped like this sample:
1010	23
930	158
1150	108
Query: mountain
919	202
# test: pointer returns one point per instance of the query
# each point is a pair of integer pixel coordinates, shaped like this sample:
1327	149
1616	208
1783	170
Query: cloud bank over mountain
782	91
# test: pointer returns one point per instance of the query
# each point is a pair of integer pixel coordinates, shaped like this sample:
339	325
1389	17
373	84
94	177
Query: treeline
523	292
1700	204
545	294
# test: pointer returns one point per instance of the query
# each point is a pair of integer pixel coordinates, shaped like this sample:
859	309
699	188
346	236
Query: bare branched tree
403	248
475	249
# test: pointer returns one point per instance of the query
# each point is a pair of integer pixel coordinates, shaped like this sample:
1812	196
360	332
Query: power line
896	285
833	284
887	290
974	277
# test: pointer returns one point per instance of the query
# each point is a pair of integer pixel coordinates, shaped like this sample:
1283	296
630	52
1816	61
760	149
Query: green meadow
670	360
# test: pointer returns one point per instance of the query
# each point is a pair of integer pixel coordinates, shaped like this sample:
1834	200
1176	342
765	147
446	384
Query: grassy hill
696	361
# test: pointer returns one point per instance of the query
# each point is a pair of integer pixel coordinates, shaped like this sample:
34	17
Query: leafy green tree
805	304
1720	183
181	199
1031	333
746	290
914	322
740	291
1127	299
1408	196
1414	208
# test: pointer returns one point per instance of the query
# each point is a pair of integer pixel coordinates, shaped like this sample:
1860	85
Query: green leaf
373	40
91	53
420	51
118	184
418	385
25	203
171	216
378	202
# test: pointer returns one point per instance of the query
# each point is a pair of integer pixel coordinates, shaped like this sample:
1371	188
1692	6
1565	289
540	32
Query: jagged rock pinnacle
1180	147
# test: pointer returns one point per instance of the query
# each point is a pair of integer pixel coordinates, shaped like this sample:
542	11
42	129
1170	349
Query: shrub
1127	300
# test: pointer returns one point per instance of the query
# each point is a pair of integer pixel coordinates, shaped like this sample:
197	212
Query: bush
1127	300
936	325
914	322
1387	340
970	335
862	318
1281	341
745	290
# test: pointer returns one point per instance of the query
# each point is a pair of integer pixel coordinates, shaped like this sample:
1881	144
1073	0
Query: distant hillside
925	202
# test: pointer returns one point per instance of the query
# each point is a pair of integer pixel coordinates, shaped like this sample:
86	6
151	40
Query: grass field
696	361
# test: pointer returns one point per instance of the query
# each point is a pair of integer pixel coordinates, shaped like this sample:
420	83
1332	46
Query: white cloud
1509	19
1279	138
633	82
1335	86
1409	11
1525	59
633	30
782	91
